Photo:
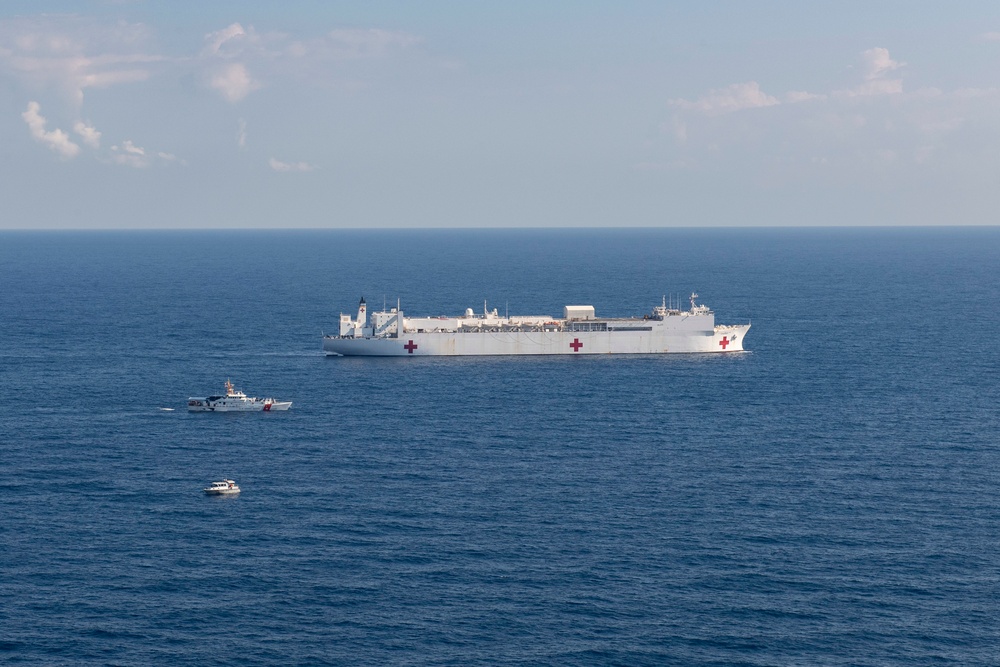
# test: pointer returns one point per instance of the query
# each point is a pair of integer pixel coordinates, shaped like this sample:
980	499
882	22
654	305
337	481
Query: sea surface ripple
828	497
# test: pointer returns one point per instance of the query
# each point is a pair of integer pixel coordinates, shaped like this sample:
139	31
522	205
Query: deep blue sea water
829	497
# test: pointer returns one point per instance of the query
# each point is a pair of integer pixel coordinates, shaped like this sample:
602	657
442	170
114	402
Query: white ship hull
227	406
666	331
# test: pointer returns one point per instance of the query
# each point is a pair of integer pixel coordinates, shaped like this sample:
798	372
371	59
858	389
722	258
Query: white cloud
875	87
70	53
796	96
872	127
107	79
129	147
167	157
234	82
130	155
736	97
137	157
230	54
278	165
231	78
89	135
57	140
215	40
878	62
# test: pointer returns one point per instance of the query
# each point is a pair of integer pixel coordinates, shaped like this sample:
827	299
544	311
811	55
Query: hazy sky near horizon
318	113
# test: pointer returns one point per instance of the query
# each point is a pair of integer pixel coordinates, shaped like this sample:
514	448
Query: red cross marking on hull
724	342
410	347
576	345
267	407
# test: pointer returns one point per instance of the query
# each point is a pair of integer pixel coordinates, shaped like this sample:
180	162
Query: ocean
829	497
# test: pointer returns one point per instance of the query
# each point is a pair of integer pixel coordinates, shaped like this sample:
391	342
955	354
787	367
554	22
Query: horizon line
484	229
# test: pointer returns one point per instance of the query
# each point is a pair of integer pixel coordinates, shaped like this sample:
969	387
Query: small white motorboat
223	488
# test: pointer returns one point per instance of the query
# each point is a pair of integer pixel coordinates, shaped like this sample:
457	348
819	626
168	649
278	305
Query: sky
156	114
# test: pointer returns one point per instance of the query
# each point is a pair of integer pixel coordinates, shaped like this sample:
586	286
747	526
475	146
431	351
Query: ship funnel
362	313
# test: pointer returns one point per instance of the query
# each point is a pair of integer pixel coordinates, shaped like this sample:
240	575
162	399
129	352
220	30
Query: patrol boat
235	401
388	333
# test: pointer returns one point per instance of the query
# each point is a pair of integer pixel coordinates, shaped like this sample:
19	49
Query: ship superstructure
580	331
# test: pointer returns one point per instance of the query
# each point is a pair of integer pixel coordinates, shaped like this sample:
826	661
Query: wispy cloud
89	135
278	165
224	54
70	54
238	60
874	87
876	64
57	140
874	122
241	133
215	40
797	96
732	98
367	43
129	154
